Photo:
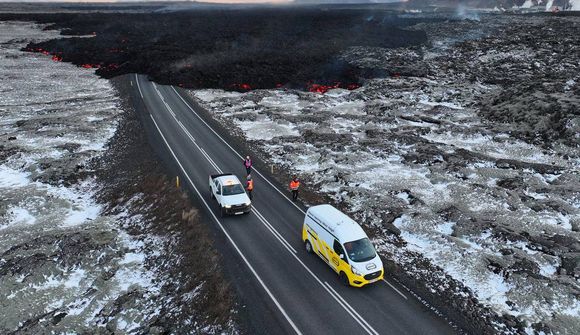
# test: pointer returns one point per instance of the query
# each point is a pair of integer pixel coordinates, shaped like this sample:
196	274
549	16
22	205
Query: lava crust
235	49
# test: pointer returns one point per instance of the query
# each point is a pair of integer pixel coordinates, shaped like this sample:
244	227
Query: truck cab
230	194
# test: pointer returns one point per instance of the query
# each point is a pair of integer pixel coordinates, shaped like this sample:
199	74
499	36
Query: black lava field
233	50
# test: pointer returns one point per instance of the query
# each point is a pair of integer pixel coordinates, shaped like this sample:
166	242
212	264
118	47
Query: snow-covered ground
64	267
412	154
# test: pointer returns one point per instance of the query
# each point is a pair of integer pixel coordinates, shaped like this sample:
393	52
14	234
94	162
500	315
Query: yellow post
272	169
177	181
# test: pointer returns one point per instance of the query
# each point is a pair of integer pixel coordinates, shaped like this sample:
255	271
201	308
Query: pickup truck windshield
232	189
360	250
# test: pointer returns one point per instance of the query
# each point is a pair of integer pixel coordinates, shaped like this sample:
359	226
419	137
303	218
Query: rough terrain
93	236
232	49
463	164
454	142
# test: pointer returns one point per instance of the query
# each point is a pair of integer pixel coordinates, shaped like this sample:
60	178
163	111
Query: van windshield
360	250
233	189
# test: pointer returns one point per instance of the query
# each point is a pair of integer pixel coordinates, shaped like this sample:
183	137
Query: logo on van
371	266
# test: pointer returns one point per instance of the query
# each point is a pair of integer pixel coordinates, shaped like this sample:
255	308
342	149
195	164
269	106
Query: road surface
285	290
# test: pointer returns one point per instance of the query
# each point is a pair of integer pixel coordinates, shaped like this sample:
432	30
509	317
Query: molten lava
319	88
242	87
90	66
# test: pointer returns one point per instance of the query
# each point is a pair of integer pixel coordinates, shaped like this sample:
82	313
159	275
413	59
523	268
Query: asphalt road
285	289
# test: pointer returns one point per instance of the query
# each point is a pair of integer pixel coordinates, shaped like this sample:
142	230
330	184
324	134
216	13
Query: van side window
338	249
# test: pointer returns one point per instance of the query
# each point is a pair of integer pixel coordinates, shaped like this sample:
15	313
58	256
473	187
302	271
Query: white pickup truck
230	194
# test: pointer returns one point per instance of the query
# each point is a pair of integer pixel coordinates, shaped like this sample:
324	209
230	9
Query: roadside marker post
177	181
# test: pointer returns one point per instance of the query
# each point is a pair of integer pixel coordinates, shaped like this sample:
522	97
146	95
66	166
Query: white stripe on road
234	151
352	310
394	288
188	134
265	222
273	231
280	308
138	86
360	320
273	186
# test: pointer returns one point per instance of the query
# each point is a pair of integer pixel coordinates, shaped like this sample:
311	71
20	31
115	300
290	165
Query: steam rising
465	13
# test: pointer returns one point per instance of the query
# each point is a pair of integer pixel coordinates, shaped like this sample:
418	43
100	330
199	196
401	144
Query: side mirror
341	256
219	191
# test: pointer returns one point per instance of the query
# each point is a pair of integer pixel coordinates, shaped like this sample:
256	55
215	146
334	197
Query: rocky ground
242	49
463	163
459	153
93	236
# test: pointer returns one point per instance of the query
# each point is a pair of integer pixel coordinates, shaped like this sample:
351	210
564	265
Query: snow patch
20	215
10	178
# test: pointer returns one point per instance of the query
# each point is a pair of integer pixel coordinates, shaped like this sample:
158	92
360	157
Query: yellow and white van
341	243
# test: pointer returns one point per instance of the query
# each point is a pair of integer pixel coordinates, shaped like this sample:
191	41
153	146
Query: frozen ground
62	264
65	267
468	156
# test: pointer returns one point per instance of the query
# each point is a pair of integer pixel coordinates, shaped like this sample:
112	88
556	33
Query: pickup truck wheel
343	279
308	247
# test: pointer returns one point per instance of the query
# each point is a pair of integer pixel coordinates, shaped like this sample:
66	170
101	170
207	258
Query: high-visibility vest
294	185
250	186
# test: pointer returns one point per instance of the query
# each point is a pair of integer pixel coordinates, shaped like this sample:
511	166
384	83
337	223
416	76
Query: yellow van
342	244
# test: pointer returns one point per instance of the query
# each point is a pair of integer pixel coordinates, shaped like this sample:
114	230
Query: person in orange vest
249	186
294	185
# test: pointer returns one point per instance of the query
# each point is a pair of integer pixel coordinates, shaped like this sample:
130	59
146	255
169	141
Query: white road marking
371	329
273	231
209	159
237	154
360	320
280	308
234	151
188	134
138	86
394	288
163	100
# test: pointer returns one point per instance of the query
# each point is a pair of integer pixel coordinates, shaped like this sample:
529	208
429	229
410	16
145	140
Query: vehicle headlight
355	271
228	206
248	203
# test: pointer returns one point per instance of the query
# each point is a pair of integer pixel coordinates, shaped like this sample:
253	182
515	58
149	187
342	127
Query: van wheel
222	212
211	194
308	247
343	279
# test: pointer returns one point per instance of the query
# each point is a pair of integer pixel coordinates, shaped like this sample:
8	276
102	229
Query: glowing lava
242	87
319	88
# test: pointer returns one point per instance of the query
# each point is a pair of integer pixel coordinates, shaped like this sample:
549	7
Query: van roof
338	223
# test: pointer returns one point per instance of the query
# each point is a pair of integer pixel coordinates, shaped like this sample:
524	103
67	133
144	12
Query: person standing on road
248	165
294	185
249	186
